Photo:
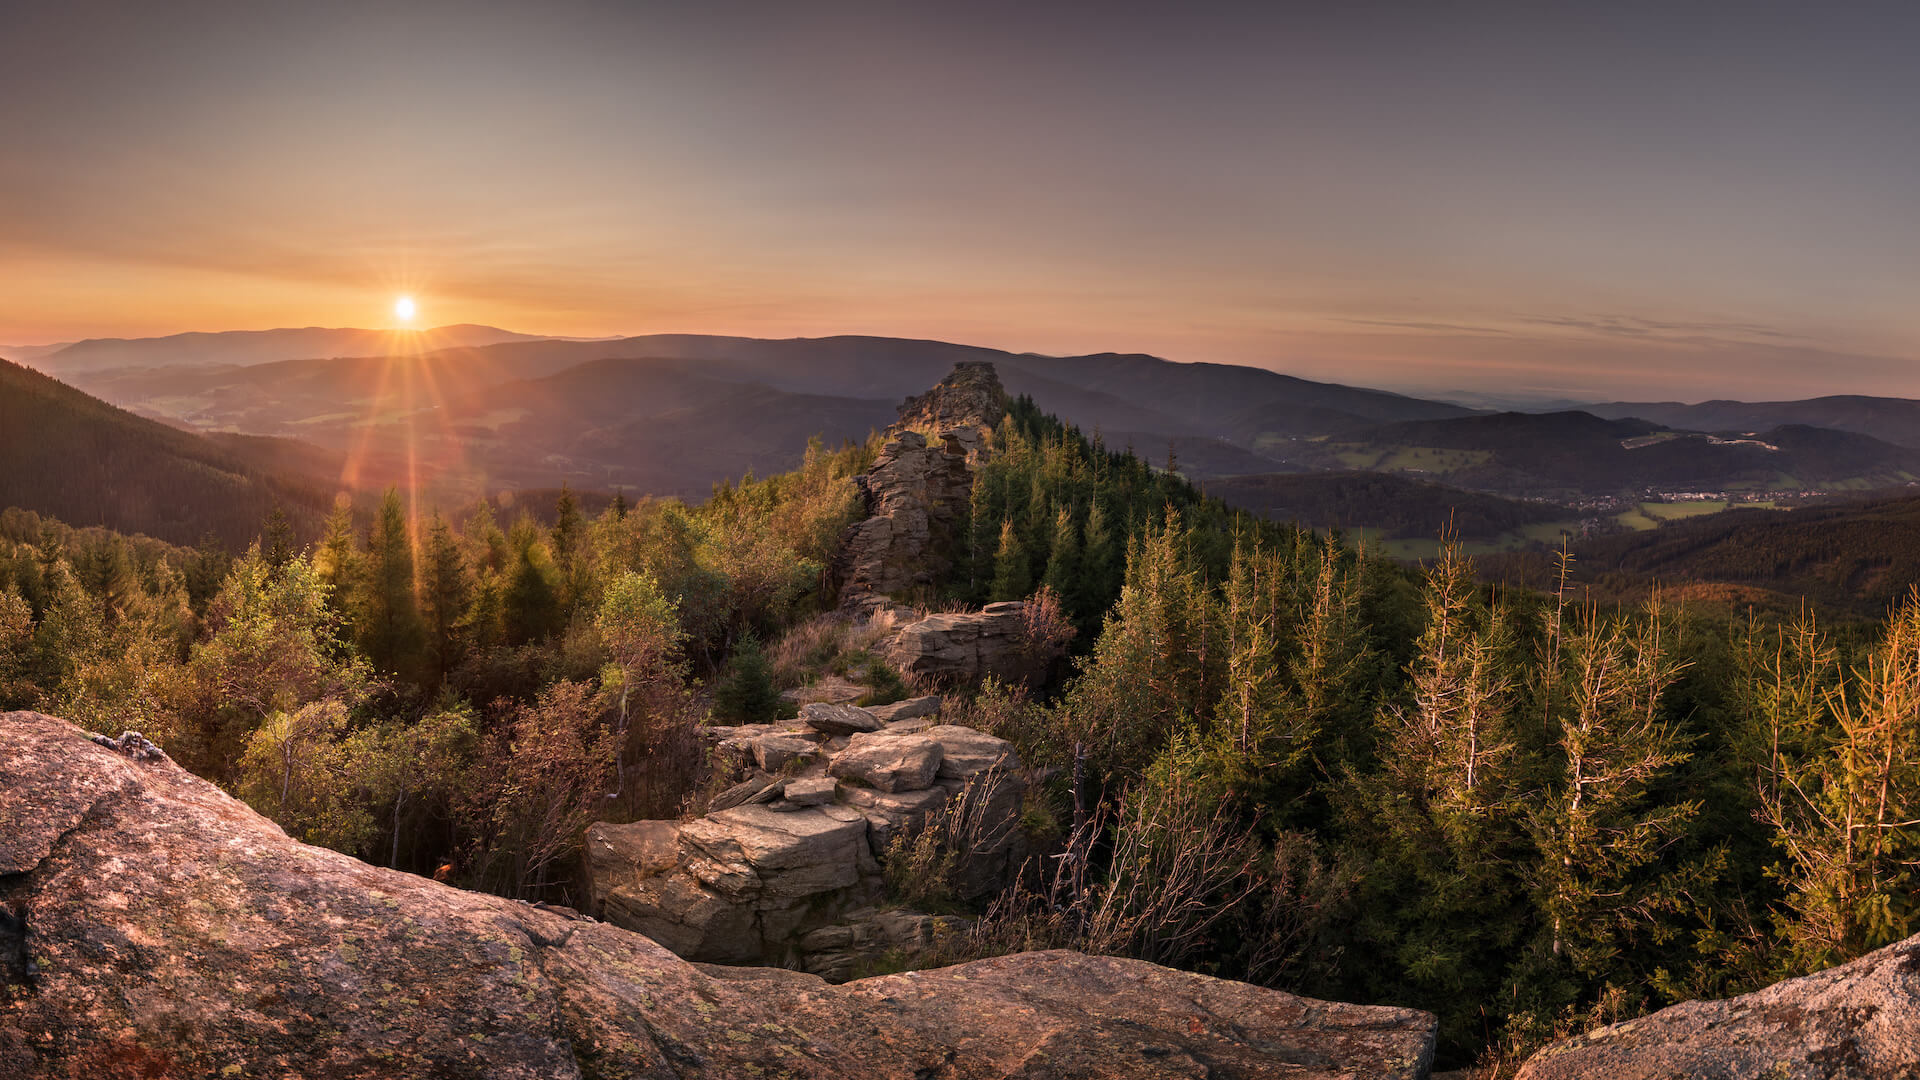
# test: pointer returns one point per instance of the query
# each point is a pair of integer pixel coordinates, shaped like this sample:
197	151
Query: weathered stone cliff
918	488
154	927
965	647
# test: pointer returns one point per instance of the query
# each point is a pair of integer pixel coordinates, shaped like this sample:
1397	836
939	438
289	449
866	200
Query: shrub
748	695
886	686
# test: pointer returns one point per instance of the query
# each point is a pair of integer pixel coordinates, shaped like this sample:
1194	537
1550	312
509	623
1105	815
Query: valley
671	415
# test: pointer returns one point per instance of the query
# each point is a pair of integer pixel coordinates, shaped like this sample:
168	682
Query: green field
1546	532
1426	459
1651	515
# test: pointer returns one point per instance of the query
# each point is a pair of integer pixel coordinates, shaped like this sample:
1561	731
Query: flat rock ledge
786	870
156	927
1855	1021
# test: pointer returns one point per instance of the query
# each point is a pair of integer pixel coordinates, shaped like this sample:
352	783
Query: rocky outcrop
781	857
966	647
877	936
1858	1020
155	927
918	489
917	496
964	407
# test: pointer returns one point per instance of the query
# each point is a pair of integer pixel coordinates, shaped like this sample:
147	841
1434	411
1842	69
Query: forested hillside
1572	454
1270	758
78	459
1396	506
1852	559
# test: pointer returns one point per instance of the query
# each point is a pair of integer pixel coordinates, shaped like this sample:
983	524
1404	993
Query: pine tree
277	540
446	593
747	695
386	612
1011	578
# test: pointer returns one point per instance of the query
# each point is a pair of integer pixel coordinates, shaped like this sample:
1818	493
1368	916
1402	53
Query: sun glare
403	309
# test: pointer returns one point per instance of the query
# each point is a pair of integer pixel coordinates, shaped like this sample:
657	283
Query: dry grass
827	642
1176	871
926	866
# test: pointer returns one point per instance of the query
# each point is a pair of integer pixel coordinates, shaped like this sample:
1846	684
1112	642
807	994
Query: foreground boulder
1857	1020
155	927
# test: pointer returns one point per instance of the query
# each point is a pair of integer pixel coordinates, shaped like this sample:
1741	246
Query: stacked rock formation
916	498
918	488
786	867
152	926
962	409
917	495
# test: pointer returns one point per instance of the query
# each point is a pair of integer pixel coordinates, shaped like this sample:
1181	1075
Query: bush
747	695
886	686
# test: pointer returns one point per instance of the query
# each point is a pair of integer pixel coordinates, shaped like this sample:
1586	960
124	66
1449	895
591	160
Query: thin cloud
1436	327
1636	327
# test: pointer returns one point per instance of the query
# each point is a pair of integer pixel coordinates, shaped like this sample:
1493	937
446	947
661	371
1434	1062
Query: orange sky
1625	202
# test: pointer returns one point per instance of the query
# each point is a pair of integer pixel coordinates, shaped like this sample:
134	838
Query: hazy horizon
1635	202
1505	396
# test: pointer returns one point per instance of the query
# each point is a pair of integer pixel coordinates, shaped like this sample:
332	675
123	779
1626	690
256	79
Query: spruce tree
1011	578
568	541
1443	906
1098	579
1841	790
1063	562
747	695
335	560
445	595
1604	880
532	598
277	541
387	613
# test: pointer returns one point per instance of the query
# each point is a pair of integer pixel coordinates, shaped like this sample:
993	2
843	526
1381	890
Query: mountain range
465	411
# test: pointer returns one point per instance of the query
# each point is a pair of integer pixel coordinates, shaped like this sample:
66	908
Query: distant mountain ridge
569	411
1894	420
243	347
1576	454
674	413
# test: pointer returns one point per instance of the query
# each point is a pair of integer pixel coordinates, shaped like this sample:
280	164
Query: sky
1584	200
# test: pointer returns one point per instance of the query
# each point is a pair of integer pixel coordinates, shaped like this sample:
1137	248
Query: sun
403	309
